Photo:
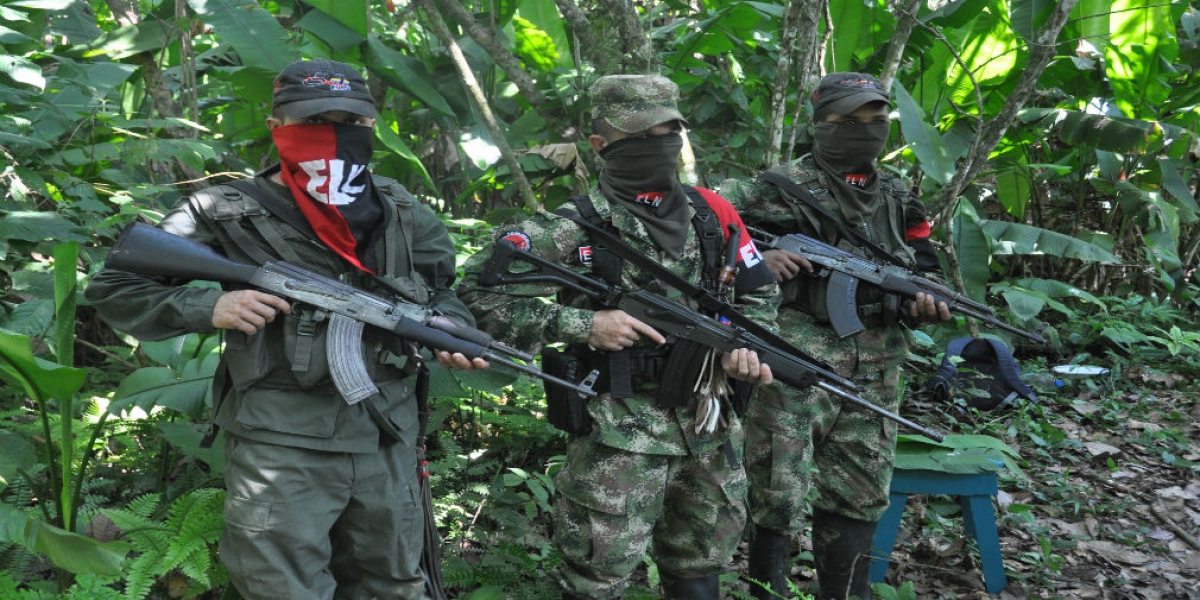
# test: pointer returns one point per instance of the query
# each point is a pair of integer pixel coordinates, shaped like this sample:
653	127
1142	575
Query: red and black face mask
326	168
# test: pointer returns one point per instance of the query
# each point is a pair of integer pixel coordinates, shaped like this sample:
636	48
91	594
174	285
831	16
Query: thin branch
1041	53
481	104
499	53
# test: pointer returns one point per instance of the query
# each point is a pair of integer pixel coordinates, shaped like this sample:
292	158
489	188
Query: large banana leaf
40	378
922	137
70	551
1016	238
183	391
355	15
404	73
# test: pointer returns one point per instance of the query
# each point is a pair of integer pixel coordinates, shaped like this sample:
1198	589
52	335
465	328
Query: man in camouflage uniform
322	497
645	476
789	432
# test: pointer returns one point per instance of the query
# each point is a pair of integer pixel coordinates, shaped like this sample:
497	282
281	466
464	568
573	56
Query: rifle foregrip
439	340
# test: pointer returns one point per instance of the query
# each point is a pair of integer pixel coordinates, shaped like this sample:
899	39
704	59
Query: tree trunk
810	55
636	53
906	19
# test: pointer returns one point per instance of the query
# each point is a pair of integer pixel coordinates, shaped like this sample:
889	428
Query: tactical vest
622	373
293	355
885	227
607	266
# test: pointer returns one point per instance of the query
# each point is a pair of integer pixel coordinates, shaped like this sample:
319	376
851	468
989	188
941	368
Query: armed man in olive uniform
322	492
837	195
651	464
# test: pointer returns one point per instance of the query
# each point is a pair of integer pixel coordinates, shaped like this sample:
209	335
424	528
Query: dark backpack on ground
987	376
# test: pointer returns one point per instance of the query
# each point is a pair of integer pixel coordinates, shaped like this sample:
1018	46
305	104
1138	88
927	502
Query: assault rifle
674	319
846	269
151	251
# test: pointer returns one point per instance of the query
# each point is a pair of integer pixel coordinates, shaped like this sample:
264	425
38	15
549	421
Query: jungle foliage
1056	144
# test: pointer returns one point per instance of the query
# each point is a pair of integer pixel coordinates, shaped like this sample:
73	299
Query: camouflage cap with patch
634	103
843	93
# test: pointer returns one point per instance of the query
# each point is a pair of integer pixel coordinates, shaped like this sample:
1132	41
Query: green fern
185	541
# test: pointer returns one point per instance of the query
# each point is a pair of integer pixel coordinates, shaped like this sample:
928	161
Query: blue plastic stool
974	491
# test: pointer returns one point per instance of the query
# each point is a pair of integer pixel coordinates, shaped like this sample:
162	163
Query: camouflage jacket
529	316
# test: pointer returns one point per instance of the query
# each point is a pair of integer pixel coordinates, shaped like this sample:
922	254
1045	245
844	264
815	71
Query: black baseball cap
309	87
843	93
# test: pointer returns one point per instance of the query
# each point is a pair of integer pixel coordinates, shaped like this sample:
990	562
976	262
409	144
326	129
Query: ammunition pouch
304	345
565	409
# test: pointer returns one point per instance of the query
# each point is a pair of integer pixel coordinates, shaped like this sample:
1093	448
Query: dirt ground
1110	508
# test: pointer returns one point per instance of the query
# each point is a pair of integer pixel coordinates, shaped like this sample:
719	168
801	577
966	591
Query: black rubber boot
770	563
694	588
842	552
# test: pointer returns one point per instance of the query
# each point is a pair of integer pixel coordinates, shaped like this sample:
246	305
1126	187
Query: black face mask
641	174
850	147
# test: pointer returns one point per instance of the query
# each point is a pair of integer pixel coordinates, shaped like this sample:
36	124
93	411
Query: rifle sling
701	296
791	187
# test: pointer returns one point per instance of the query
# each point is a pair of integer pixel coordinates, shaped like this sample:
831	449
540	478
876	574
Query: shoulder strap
708	229
786	184
605	264
1010	369
223	206
940	382
402	201
697	294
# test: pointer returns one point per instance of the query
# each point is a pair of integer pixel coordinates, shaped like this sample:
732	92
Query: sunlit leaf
1017	238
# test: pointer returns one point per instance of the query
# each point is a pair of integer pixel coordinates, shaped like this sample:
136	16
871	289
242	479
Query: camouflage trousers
794	437
613	505
311	525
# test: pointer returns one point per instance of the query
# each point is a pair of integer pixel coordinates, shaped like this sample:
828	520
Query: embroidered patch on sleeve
519	239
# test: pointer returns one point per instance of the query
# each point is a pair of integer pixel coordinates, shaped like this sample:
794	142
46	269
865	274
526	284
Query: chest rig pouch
812	204
675	369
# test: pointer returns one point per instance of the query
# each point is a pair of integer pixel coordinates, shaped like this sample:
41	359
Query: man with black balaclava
654	462
322	493
837	195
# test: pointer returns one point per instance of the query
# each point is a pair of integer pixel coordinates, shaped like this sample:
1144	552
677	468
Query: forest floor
1108	508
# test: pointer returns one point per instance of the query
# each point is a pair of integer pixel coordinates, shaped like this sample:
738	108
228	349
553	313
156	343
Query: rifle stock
153	252
847	269
674	319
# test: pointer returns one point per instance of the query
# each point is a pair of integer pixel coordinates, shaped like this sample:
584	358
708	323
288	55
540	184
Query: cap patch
336	83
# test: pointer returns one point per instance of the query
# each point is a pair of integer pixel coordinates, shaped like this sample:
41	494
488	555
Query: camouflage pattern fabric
635	103
643	473
796	436
613	505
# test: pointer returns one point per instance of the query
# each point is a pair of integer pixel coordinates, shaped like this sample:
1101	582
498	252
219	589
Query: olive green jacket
279	390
